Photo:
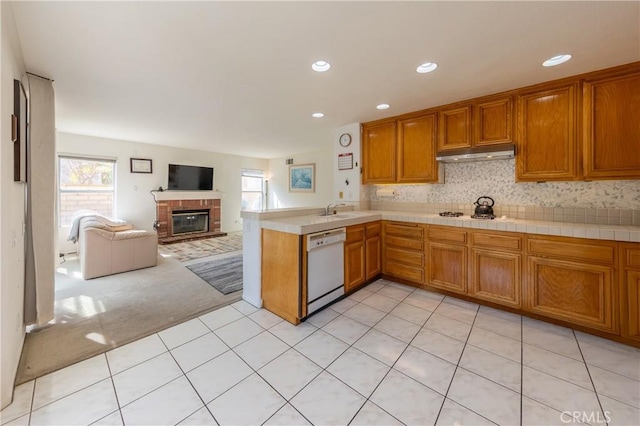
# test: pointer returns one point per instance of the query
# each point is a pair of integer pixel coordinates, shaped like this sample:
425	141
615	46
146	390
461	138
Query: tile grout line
368	398
115	393
456	368
324	369
595	391
521	371
33	397
184	374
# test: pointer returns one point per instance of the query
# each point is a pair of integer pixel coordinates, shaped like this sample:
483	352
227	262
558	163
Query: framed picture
19	134
141	165
302	178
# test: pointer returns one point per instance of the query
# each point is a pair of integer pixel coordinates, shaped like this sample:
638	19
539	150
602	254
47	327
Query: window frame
253	173
60	190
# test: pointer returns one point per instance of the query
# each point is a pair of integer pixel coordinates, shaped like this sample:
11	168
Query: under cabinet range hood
479	153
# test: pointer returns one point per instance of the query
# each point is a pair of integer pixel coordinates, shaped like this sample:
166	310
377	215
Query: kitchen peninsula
580	275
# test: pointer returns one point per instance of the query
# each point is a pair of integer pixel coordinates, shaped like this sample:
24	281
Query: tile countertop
307	223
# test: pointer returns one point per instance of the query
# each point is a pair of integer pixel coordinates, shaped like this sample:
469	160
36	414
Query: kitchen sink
338	216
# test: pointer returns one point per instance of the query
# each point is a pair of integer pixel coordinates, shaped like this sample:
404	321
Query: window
252	192
85	183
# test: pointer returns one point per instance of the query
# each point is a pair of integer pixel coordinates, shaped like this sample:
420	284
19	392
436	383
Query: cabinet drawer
497	241
355	233
449	235
405	243
402	230
404	256
372	229
574	249
411	273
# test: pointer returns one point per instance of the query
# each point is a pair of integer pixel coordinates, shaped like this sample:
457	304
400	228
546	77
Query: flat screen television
190	178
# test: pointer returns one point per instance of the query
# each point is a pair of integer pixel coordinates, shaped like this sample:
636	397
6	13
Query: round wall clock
345	139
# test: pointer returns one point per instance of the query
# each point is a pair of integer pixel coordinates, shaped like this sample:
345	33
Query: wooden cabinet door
373	265
496	276
281	268
493	122
631	310
379	153
612	127
354	262
547	147
417	150
576	292
447	267
455	128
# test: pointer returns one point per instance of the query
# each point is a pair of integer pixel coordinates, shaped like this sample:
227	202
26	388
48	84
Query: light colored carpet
97	315
225	275
203	248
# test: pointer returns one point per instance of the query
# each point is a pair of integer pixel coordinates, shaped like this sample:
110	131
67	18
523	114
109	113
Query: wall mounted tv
190	178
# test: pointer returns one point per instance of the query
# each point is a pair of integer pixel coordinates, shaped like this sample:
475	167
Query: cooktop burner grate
450	214
483	216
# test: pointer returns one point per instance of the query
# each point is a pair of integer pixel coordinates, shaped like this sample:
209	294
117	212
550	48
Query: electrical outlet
341	195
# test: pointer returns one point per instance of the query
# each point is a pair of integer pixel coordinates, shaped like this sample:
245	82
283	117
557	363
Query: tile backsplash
614	202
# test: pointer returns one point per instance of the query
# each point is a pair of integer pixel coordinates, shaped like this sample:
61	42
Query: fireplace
187	219
189	222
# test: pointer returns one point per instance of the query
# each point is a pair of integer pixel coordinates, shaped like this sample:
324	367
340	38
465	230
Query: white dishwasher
325	268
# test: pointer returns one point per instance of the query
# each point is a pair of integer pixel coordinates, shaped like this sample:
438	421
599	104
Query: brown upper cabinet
379	153
401	151
416	149
611	127
455	128
493	121
486	122
547	142
584	127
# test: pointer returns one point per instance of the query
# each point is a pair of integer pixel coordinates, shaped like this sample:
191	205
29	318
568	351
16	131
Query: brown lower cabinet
448	266
284	268
630	290
495	274
361	254
575	281
403	250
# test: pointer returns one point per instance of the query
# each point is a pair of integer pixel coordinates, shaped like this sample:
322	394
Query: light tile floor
388	354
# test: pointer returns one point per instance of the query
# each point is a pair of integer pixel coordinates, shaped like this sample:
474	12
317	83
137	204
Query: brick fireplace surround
165	208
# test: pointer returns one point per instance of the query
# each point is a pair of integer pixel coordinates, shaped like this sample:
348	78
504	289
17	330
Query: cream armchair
105	250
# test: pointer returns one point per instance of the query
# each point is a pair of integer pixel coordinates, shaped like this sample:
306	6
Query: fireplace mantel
187	195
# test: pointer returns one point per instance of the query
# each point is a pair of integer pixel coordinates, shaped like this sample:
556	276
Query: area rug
225	275
95	316
202	248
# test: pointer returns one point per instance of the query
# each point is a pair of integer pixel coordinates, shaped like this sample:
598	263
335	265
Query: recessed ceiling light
320	66
317	115
383	106
427	67
556	60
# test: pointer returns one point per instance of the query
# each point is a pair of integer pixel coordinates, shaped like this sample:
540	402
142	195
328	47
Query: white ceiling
235	77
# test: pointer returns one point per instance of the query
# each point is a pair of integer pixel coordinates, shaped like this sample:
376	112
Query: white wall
278	177
350	191
12	217
133	200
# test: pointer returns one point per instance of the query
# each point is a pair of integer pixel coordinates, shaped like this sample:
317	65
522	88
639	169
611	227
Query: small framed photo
302	178
141	165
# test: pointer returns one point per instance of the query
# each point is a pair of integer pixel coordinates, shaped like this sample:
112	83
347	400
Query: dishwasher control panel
325	238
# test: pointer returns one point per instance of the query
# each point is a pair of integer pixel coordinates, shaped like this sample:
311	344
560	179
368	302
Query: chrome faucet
326	210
